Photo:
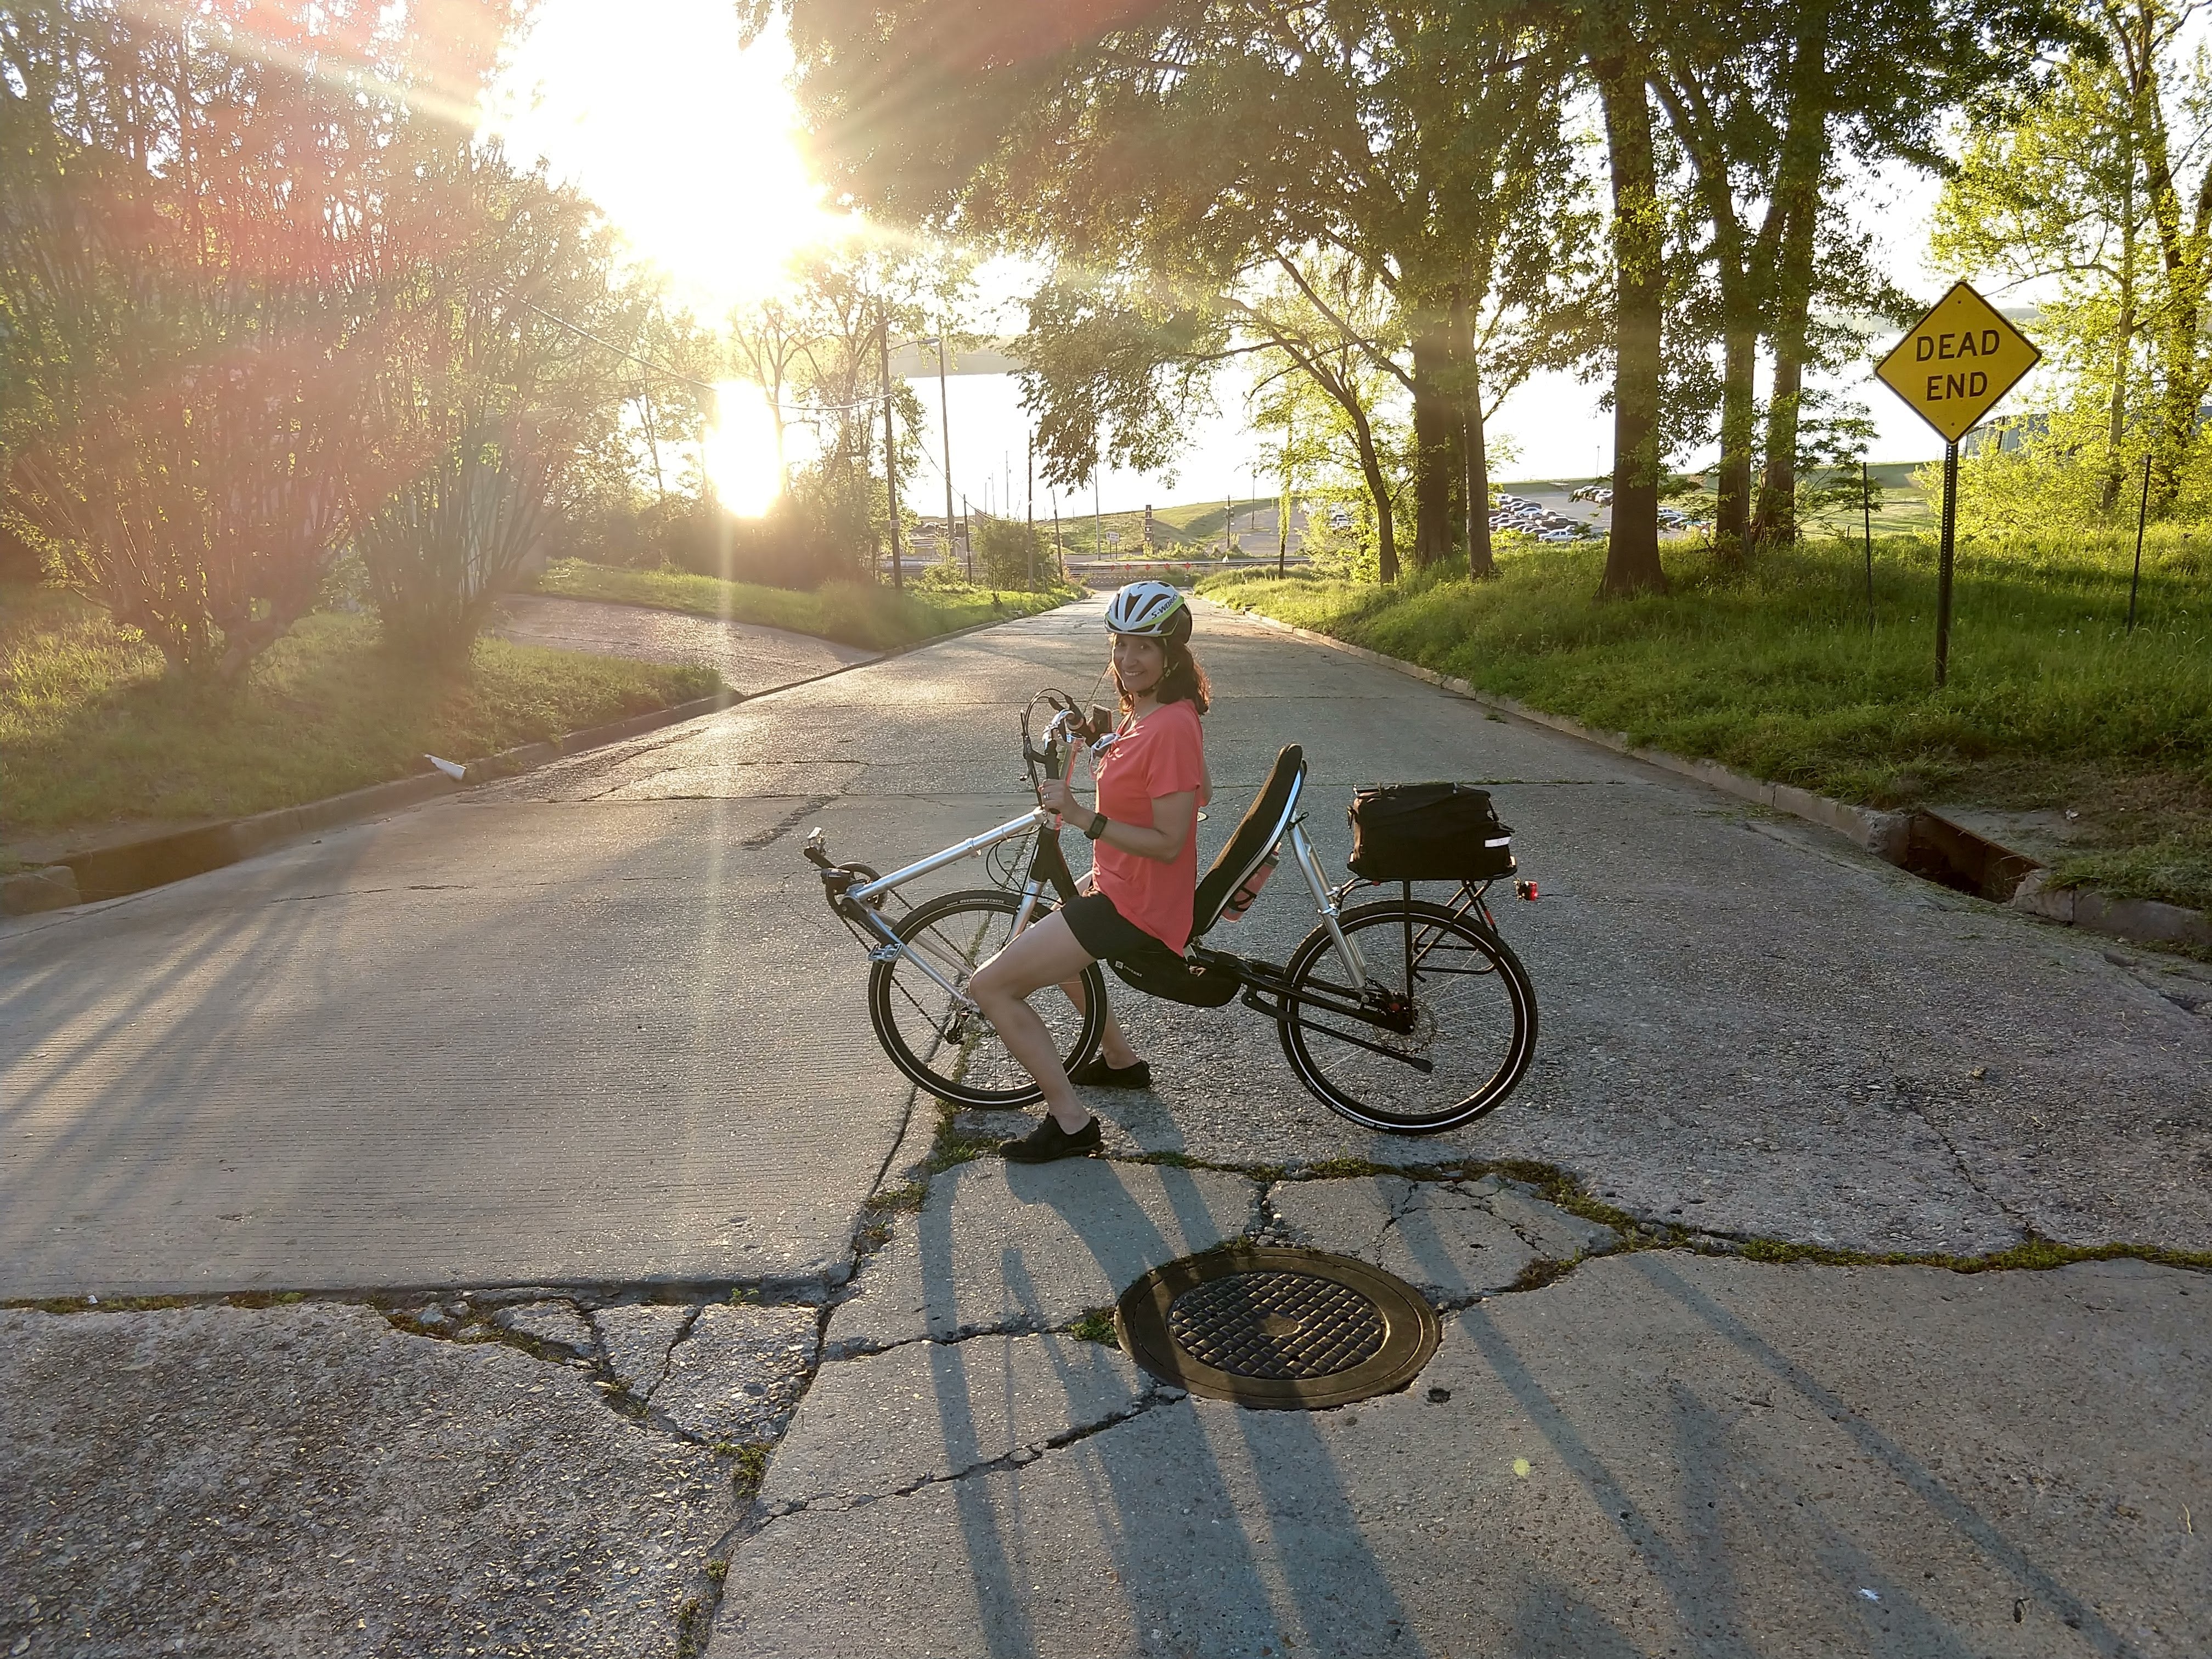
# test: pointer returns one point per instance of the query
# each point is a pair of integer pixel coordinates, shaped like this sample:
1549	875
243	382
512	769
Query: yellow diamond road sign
1957	362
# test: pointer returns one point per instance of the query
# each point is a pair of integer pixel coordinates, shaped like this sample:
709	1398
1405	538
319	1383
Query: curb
134	866
1888	835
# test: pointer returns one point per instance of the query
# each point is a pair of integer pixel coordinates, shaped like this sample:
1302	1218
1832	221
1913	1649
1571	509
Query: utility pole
652	438
945	415
1282	518
891	447
1029	502
1098	519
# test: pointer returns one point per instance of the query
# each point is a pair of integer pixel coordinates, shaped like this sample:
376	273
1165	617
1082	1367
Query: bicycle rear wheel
1468	1011
936	1039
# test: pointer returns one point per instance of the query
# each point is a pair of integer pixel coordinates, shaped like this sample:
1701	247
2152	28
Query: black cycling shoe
1049	1141
1096	1074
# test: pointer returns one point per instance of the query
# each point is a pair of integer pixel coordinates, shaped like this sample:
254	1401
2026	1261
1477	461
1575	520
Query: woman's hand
1058	795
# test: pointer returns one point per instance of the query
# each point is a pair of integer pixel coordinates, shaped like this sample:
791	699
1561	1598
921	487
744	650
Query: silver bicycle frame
1324	899
1302	849
1035	819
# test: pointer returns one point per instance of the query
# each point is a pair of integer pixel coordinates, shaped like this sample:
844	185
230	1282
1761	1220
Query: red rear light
1527	890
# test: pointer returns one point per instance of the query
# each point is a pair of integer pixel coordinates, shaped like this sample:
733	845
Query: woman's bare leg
1114	1046
1045	953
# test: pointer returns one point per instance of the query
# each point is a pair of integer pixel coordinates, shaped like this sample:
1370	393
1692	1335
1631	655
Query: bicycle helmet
1147	609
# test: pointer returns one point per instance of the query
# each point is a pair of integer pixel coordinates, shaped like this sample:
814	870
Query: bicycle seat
1266	822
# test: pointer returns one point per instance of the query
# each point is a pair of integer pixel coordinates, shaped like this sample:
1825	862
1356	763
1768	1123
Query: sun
740	450
682	134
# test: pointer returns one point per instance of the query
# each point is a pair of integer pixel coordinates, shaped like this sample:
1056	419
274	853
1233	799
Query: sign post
1952	367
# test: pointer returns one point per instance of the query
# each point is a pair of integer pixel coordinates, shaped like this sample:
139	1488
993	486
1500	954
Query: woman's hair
1181	680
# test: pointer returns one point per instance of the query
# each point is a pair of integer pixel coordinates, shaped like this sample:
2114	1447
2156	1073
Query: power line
609	345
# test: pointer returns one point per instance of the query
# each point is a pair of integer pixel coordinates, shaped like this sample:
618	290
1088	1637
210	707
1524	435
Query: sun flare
682	135
740	450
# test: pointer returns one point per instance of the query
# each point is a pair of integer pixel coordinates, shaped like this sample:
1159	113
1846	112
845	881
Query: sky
684	136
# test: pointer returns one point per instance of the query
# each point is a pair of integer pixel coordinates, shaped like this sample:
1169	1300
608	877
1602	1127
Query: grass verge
852	613
2053	708
93	732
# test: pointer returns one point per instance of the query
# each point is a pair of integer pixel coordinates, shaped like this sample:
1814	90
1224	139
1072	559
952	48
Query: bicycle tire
1492	1017
955	1055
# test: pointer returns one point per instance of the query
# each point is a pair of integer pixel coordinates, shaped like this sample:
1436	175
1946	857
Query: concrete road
593	1025
591	1030
1659	1454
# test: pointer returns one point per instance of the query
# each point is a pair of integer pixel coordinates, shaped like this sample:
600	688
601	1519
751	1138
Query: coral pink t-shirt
1163	754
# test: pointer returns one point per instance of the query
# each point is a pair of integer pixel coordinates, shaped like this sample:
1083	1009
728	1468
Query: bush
1012	554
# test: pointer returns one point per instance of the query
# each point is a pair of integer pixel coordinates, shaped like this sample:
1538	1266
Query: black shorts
1110	936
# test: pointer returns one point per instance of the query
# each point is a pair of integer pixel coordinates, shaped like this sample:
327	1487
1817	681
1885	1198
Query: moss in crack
694	1625
749	1464
952	1148
2034	1253
1096	1325
254	1299
1540	1273
1346	1168
74	1305
894	1201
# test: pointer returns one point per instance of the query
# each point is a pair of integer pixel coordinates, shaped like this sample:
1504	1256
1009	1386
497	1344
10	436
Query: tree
262	301
185	258
493	390
2100	189
1177	151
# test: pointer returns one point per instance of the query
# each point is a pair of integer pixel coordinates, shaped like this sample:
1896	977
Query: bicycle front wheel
1466	1015
939	1042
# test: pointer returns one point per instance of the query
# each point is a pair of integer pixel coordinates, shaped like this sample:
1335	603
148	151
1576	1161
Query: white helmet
1147	609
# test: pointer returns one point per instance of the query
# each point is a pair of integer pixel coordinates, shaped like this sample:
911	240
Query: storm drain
1276	1328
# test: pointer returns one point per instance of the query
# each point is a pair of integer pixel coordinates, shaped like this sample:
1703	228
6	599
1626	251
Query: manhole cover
1277	1328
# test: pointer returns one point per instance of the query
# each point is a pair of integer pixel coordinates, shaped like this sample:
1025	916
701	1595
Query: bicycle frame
859	900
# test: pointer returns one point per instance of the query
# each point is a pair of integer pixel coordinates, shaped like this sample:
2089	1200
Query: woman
1136	904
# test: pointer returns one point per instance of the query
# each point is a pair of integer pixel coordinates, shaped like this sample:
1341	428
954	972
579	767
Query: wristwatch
1097	827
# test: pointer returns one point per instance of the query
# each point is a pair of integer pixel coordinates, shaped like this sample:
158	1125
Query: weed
740	1295
693	1627
1344	1168
894	1200
952	1147
1096	1325
1539	1273
751	1464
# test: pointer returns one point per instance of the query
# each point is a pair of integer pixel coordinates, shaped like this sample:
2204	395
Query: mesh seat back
1265	823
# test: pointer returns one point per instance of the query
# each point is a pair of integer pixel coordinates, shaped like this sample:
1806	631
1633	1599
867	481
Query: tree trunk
1475	448
1738	424
1631	563
1378	488
1776	523
1797	190
1435	448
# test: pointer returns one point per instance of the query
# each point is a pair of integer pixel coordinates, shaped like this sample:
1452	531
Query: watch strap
1095	828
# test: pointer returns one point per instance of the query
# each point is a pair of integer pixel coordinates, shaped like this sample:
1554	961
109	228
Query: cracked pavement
556	1105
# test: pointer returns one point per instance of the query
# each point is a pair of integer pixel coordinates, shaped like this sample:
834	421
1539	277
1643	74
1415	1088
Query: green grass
93	732
851	612
2051	704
